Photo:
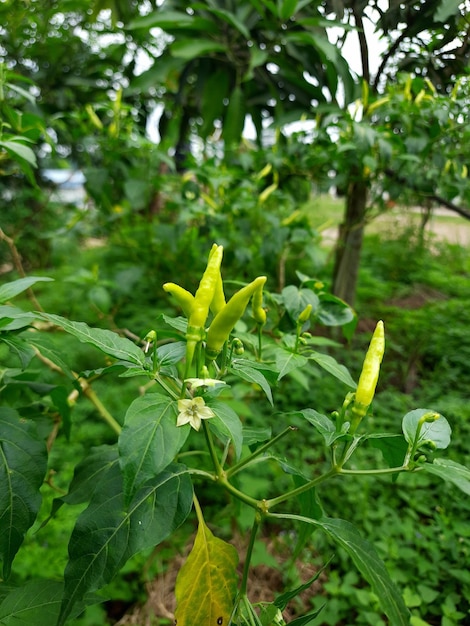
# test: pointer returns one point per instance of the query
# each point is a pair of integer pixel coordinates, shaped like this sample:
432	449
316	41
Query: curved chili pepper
257	310
369	376
202	301
184	298
224	322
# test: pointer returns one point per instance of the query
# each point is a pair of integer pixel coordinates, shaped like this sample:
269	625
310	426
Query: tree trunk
349	244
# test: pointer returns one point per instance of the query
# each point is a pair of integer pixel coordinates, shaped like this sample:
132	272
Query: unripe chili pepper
304	315
257	310
202	301
369	376
205	292
218	301
183	298
223	323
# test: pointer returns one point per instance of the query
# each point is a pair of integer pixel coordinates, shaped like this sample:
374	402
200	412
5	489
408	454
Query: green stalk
212	450
268	504
102	410
244	462
249	554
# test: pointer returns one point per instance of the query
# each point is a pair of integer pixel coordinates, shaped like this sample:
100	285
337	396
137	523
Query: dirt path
454	230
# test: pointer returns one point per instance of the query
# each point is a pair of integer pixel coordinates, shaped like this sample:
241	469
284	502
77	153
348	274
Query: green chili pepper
304	315
205	291
184	298
257	310
218	301
223	323
202	301
369	376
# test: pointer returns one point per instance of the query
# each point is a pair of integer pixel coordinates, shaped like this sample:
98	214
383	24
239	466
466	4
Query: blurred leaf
19	347
334	312
191	48
207	582
170	20
446	9
23	465
149	440
10	290
234	120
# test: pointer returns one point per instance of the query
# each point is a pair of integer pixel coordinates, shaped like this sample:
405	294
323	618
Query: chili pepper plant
182	434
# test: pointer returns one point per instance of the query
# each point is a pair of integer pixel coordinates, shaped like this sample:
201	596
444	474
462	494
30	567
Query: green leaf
188	49
87	477
437	432
334	312
287	9
171	20
18	149
252	375
10	290
108	533
295	300
105	340
37	602
450	471
170	354
234	120
286	361
367	561
207	582
19	347
23	465
393	448
323	424
13	318
228	424
446	9
149	440
332	366
305	620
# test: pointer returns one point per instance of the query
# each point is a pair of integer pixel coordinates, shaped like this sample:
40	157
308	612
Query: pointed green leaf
149	440
450	471
234	120
253	375
23	465
446	9
18	149
171	20
191	48
105	340
286	361
367	561
10	290
228	424
332	366
393	447
19	347
13	318
207	582
323	424
107	533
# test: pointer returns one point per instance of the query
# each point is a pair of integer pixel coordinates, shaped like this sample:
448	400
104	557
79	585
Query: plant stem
268	504
212	450
102	410
244	462
249	553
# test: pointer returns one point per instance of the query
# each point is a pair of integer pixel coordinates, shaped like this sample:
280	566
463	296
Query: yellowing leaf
207	582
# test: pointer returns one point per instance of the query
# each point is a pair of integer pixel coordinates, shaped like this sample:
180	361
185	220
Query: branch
462	211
